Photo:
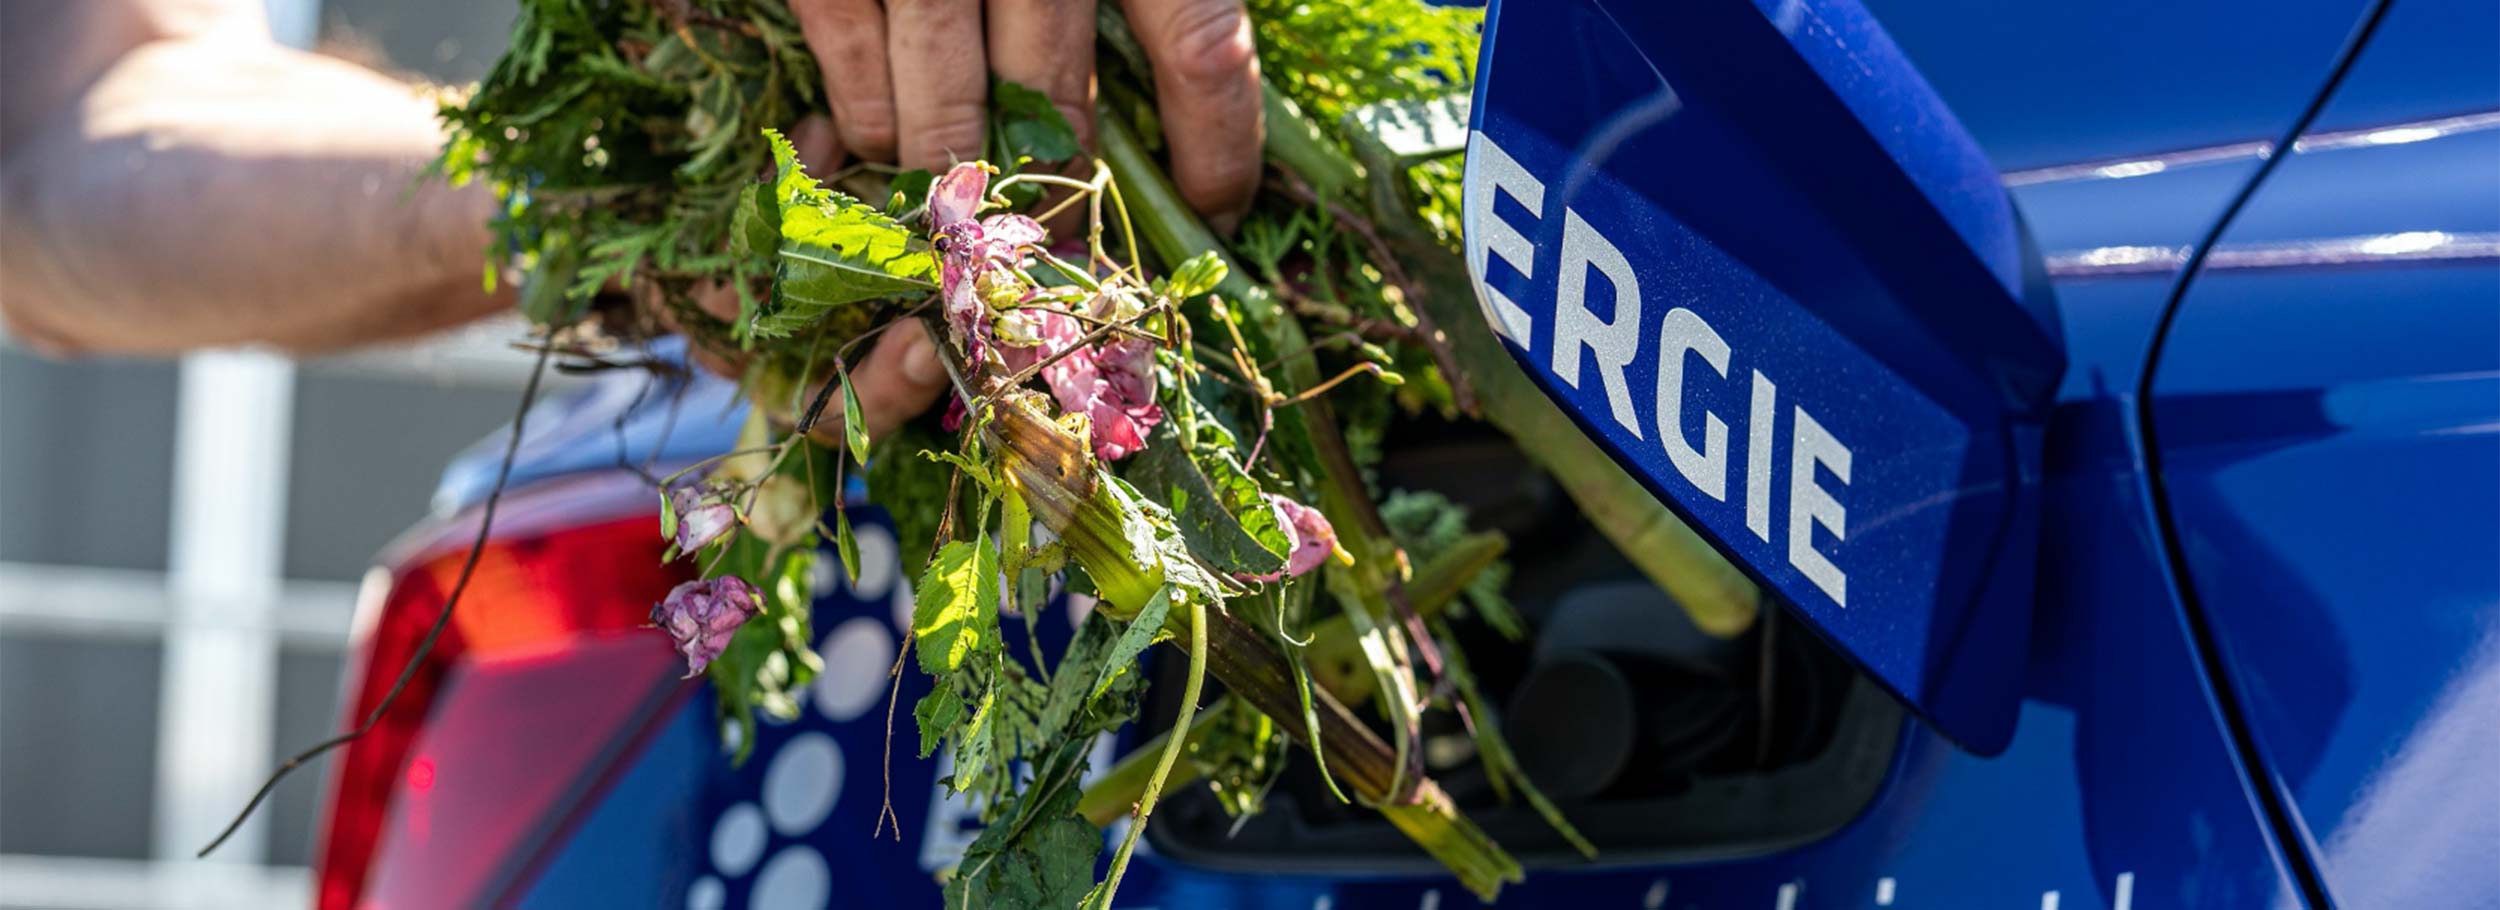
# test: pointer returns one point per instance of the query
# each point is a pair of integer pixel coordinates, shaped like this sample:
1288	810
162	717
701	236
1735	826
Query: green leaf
1133	641
972	749
755	227
1031	126
1041	858
854	422
955	609
834	250
1099	660
1223	517
845	544
938	712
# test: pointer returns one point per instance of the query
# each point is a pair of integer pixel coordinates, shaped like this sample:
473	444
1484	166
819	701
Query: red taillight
543	669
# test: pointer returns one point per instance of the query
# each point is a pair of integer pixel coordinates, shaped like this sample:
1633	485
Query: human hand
908	80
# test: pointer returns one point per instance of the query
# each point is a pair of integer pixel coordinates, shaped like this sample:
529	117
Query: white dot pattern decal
738	839
802	782
878	567
766	848
902	607
707	894
795	879
857	656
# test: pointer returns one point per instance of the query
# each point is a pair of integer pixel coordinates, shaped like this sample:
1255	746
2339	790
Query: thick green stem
1433	587
1254	672
1068	498
1297	145
1719	598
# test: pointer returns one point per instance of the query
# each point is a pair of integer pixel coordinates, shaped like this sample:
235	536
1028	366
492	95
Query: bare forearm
208	192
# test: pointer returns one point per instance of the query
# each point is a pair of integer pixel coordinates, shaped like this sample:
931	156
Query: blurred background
191	534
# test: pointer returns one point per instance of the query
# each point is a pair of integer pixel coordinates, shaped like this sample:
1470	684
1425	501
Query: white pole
219	684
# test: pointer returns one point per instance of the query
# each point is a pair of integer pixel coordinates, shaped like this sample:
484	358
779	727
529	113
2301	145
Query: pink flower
702	616
1030	335
1113	385
699	523
956	195
953	418
1308	532
976	258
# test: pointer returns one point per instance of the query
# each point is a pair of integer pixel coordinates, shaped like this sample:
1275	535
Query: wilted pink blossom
702	616
699	523
976	258
1029	335
952	418
1307	530
1113	385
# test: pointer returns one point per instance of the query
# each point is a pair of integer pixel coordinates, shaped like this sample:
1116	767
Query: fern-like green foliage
622	136
1332	56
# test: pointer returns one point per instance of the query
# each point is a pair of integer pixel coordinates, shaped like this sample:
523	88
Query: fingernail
920	360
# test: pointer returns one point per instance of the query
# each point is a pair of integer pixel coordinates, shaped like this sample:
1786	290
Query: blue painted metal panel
2432	58
2329	440
2047	82
1750	253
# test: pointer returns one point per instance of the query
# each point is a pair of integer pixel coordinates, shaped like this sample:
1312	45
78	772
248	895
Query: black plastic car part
1659	742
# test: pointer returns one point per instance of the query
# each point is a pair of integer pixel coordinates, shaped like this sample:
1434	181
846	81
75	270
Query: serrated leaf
972	749
1041	858
1222	515
938	712
955	608
833	250
1096	660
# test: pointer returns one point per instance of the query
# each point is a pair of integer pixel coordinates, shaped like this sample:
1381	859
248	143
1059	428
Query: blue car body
2258	655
